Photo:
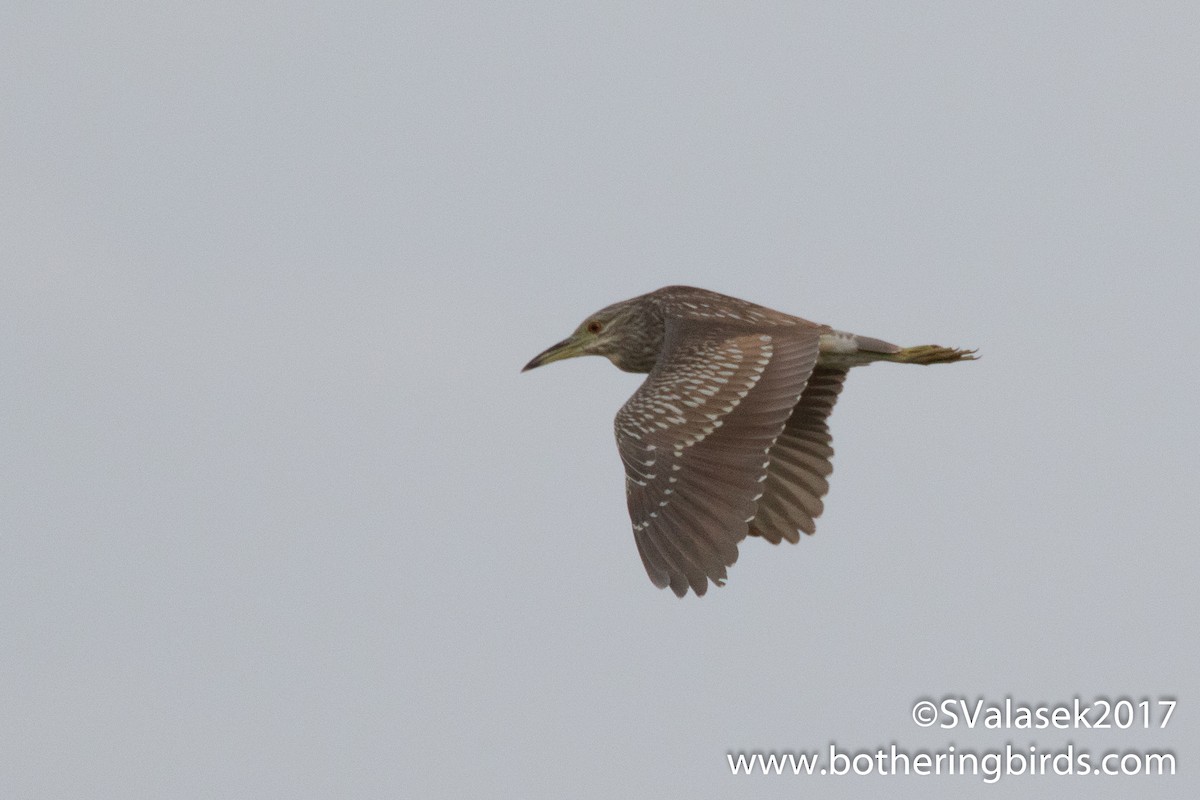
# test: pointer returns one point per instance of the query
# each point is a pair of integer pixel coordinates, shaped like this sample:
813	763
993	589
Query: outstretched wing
796	479
694	439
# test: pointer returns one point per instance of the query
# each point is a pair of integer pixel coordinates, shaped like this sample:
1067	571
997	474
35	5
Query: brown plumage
728	435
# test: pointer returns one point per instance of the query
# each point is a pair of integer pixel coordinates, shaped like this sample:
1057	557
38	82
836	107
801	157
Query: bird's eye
595	326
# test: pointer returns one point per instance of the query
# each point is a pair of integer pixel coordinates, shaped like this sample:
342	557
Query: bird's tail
930	354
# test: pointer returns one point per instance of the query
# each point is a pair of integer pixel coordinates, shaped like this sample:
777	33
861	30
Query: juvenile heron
727	436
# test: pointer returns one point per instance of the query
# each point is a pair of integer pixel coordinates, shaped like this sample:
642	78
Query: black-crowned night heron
727	436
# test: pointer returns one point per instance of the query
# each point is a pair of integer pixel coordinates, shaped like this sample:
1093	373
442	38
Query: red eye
595	326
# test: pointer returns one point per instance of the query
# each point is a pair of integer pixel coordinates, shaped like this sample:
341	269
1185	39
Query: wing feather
800	463
695	438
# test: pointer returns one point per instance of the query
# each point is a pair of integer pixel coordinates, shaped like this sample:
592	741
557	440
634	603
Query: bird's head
629	334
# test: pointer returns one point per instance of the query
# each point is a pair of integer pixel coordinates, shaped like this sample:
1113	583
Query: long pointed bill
567	348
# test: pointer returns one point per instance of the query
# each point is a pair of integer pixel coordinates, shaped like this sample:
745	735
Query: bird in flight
728	435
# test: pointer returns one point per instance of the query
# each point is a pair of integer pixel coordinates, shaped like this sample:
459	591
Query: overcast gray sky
281	518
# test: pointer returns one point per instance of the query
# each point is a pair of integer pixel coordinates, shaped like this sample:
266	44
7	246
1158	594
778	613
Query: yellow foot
932	354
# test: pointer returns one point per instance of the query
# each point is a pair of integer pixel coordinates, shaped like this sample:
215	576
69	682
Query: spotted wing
694	441
796	480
